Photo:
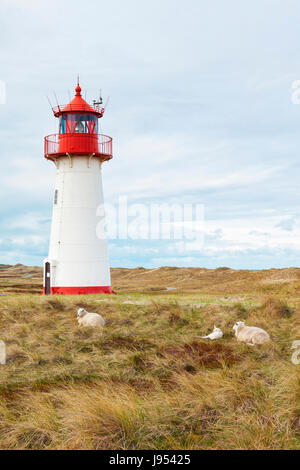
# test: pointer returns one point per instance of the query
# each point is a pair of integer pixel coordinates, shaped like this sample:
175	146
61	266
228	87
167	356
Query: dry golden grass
221	281
148	380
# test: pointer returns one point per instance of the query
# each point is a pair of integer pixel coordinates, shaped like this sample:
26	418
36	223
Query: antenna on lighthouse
55	98
100	100
107	101
49	102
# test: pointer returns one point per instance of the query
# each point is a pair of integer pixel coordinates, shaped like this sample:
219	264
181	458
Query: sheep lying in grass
85	318
216	334
2	353
250	334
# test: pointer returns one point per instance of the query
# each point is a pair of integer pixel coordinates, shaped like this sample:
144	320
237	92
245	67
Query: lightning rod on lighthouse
78	260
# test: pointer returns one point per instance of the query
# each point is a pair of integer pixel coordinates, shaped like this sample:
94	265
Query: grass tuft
276	308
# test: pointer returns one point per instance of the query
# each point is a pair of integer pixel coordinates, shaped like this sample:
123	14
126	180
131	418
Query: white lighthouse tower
78	259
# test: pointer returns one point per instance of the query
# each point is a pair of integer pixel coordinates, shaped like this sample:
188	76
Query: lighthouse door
47	279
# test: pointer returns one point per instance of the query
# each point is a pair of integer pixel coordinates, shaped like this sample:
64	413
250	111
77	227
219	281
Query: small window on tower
55	196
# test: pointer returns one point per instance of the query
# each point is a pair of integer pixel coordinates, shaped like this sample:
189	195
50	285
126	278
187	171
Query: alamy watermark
163	221
295	92
2	353
296	353
2	92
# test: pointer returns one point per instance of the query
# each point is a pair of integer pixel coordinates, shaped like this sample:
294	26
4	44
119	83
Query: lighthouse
78	259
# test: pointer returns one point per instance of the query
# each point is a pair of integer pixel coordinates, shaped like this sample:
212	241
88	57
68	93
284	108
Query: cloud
287	224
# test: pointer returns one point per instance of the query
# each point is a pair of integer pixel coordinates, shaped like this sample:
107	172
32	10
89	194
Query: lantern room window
62	125
78	123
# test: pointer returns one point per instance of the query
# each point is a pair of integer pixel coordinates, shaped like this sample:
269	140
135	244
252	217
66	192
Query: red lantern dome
78	131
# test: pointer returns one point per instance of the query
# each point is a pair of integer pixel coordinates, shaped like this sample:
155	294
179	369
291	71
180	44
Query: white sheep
250	334
216	334
85	318
2	353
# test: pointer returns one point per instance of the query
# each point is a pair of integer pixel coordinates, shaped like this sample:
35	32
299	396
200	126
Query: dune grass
148	380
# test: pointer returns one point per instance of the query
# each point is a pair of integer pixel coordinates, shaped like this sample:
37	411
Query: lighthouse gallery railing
53	146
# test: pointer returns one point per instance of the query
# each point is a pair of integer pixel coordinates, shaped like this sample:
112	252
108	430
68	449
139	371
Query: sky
203	111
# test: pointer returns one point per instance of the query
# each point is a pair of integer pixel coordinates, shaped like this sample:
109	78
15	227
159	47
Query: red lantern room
78	131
